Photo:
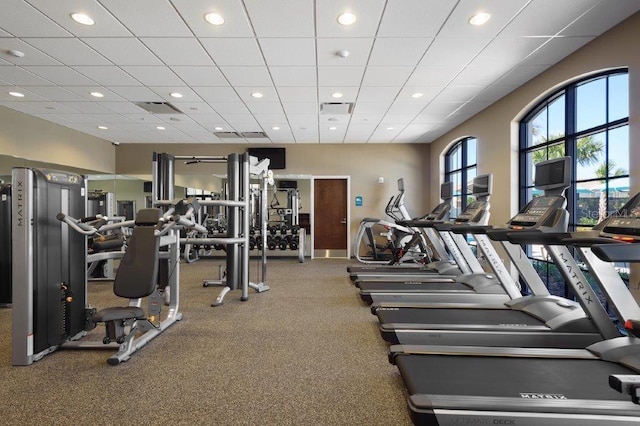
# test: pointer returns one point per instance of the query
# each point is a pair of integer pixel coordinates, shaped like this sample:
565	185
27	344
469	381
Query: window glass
591	104
557	118
471	151
590	157
619	151
618	97
537	128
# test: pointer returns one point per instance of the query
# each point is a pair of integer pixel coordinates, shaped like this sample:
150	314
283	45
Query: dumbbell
294	229
252	243
271	243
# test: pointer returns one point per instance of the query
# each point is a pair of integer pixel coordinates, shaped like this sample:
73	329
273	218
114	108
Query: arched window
587	120
460	167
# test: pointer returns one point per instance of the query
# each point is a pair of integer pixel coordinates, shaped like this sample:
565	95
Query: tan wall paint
32	138
363	162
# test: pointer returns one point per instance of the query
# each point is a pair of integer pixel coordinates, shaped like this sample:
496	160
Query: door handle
343	221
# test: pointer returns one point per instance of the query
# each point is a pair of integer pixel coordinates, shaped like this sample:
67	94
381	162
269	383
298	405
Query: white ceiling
142	50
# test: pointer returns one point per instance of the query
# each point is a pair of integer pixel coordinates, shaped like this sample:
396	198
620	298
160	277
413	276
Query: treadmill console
473	212
536	211
440	212
625	224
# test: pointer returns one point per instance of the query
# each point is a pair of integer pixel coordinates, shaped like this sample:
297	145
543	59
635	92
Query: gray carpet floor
306	352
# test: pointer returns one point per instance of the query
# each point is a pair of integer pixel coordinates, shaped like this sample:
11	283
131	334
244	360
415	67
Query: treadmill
538	320
538	386
433	240
495	288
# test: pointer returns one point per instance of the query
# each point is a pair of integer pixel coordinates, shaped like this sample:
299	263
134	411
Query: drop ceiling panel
302	120
153	76
443	107
230	108
208	118
477	76
412	132
520	74
281	18
298	94
493	93
32	56
107	75
194	109
294	76
123	51
501	13
386	75
358	48
265	108
528	22
368	14
505	52
62	76
23	20
269	94
438	76
21	76
430	117
601	18
178	51
246	76
87	107
217	94
270	118
555	50
122	107
188	95
378	94
288	52
398	51
236	23
149	18
294	108
200	76
453	51
458	93
106	25
414	18
233	51
340	76
137	94
54	92
364	108
348	94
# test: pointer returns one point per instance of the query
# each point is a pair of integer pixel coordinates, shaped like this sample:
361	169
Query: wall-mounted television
277	156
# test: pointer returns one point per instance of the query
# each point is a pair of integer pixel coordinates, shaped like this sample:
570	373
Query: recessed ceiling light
97	95
417	95
214	19
175	94
336	95
83	19
275	128
332	128
17	94
347	18
16	53
257	95
390	128
217	128
479	18
342	53
160	127
102	127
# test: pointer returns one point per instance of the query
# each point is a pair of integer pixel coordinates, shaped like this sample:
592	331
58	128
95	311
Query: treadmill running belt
509	377
374	286
456	317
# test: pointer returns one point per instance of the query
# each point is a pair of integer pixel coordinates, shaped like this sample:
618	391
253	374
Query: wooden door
330	217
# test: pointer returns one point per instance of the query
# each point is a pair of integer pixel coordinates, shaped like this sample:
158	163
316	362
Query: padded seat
119	313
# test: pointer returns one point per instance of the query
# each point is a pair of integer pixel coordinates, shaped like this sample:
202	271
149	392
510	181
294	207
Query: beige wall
496	127
364	163
32	138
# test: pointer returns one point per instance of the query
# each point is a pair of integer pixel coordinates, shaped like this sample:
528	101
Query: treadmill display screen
481	186
446	190
553	174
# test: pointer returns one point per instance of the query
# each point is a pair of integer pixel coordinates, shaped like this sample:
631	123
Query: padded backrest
138	271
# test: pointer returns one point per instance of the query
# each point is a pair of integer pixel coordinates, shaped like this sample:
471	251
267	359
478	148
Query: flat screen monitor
277	156
482	185
553	174
446	190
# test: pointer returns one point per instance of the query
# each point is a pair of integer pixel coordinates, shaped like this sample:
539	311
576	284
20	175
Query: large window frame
460	167
574	140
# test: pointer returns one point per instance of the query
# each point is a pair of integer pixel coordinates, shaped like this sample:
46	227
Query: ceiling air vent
254	135
336	108
228	135
158	107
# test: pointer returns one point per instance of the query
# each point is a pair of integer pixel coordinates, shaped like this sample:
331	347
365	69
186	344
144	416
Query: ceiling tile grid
412	68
